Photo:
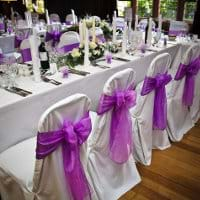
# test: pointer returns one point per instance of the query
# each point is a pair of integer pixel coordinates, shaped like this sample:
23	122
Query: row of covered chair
73	163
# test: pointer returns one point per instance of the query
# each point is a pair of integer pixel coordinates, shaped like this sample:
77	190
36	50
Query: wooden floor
174	173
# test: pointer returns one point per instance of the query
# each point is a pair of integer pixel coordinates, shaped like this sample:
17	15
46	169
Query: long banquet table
19	116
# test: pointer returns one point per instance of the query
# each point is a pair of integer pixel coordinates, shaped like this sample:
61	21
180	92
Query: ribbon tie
70	136
54	36
189	71
120	142
160	101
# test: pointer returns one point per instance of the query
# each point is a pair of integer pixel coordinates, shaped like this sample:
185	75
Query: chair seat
18	162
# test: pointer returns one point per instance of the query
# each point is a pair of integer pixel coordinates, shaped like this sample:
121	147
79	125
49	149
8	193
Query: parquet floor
174	173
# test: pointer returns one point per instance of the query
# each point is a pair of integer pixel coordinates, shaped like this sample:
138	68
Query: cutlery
78	72
45	79
100	66
121	59
22	90
13	90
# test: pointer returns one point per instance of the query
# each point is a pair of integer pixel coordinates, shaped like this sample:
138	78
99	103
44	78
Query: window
190	8
121	5
145	8
168	8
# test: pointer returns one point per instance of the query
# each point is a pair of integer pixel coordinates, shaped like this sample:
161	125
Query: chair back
119	81
69	19
178	28
143	24
50	169
54	17
69	38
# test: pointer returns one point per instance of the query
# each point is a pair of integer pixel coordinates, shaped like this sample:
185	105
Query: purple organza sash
68	48
69	22
26	55
2	27
120	142
189	72
70	136
54	36
160	101
1	58
177	32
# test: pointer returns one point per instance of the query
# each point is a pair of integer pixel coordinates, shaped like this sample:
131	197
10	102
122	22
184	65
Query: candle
124	40
149	35
35	56
115	14
93	30
160	23
86	49
47	17
81	32
114	30
136	21
83	28
73	16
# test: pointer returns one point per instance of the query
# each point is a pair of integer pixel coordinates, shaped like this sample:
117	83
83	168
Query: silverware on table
78	72
121	59
50	80
18	91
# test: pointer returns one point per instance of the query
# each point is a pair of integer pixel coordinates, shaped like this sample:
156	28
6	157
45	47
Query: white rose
75	53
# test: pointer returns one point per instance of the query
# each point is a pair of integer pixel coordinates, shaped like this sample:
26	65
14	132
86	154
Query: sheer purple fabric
68	48
189	72
26	55
70	136
160	101
54	36
120	142
19	39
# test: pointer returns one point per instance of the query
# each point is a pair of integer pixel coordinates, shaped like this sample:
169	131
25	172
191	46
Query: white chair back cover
176	109
54	17
50	169
69	18
120	23
193	53
145	138
178	27
101	168
25	44
143	24
21	23
68	38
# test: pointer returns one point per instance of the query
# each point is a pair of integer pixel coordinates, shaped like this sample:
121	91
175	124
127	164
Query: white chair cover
54	17
110	180
145	138
193	53
68	38
18	180
176	109
21	23
69	18
178	27
120	23
143	24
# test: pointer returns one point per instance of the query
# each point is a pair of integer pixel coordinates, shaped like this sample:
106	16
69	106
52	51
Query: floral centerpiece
76	56
106	28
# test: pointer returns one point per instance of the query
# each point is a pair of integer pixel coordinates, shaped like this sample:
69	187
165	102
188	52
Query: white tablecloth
19	116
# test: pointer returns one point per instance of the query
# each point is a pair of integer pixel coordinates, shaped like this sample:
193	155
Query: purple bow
160	101
19	39
26	55
68	48
189	71
54	36
2	27
120	142
70	136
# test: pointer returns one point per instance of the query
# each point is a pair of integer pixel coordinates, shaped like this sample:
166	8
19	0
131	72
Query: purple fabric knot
70	136
54	36
120	142
189	72
160	101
